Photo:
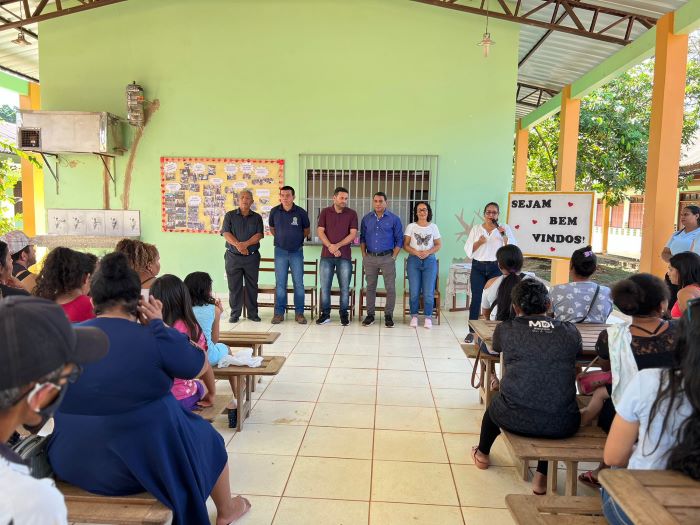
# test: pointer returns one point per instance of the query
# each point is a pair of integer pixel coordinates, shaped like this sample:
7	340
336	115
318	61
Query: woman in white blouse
482	244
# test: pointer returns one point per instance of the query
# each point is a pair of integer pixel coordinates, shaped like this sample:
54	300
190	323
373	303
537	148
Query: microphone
495	223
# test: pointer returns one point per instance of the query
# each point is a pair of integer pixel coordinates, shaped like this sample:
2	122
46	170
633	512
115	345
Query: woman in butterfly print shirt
422	241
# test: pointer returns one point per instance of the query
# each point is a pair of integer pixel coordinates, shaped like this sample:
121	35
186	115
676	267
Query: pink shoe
414	322
428	323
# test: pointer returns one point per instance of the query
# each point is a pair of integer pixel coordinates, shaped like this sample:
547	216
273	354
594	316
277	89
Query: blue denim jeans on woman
612	511
284	261
421	280
481	272
343	269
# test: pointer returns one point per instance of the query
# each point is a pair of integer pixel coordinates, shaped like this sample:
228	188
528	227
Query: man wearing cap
41	353
23	254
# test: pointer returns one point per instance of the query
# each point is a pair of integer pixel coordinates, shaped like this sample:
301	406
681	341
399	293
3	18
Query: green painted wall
273	79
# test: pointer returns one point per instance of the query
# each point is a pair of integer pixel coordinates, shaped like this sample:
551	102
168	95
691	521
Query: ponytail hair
510	259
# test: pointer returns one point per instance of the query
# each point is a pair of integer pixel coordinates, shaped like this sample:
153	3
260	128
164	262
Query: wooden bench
244	374
654	497
254	340
84	507
555	510
586	445
210	413
486	365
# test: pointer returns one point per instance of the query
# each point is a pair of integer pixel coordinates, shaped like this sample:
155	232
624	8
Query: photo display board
551	224
196	193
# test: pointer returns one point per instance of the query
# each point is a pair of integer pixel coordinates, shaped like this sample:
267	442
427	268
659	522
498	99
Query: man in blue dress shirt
290	225
381	239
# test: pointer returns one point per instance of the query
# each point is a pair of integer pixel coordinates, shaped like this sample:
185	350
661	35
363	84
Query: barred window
404	178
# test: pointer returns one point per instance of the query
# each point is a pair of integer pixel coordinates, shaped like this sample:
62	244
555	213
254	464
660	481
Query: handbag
33	450
587	382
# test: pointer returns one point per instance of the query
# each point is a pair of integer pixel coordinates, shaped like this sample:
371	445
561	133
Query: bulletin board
196	193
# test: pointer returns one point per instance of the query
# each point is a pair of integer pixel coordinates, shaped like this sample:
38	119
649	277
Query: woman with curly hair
65	279
657	425
143	258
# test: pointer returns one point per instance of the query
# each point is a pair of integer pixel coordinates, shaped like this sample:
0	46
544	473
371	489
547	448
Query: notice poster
551	224
196	193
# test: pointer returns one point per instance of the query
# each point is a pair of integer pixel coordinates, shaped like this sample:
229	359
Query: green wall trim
546	110
687	18
13	83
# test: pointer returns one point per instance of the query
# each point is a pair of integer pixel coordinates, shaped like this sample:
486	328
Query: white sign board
551	224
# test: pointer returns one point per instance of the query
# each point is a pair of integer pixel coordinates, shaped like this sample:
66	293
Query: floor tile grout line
444	444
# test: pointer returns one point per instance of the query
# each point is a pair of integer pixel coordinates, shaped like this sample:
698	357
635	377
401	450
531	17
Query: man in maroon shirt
337	229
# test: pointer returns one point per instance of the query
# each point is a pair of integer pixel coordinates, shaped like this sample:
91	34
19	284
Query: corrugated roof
559	61
22	59
564	57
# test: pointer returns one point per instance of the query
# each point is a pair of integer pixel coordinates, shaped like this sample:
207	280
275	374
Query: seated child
207	311
177	312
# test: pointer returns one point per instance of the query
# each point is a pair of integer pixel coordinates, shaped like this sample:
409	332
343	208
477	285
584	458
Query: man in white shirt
41	353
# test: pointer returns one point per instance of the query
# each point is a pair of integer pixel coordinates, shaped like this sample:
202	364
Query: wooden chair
267	264
335	292
555	510
138	509
310	290
407	294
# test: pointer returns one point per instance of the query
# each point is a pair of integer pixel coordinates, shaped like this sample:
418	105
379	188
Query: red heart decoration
570	204
534	221
517	226
552	249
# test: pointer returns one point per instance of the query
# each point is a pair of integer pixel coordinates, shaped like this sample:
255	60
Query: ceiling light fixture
486	41
20	40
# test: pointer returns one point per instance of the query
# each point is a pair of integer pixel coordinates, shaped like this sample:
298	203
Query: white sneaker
414	322
428	323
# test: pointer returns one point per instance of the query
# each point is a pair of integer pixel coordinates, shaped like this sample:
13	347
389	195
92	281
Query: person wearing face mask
40	355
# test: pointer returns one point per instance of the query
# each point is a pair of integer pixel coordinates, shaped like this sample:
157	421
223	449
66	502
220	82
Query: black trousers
240	268
490	431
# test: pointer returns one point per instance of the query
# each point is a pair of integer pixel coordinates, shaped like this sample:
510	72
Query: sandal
495	384
539	493
478	463
587	479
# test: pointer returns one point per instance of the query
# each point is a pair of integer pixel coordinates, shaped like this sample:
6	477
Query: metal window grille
404	178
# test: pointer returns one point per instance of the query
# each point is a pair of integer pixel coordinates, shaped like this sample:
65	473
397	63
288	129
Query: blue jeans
612	511
421	279
285	260
481	272
343	269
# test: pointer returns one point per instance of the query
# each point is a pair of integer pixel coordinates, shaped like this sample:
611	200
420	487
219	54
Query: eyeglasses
491	213
54	384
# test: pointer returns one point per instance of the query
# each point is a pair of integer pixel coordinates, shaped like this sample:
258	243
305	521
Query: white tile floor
367	425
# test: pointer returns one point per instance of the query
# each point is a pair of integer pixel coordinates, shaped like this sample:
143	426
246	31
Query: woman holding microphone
482	244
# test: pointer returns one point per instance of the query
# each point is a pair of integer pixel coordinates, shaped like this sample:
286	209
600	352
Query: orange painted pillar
664	144
606	226
521	154
566	168
32	177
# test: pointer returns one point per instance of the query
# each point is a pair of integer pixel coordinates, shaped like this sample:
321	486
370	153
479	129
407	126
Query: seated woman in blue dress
120	431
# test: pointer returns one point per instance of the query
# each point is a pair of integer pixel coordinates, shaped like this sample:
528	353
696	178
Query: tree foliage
10	175
613	133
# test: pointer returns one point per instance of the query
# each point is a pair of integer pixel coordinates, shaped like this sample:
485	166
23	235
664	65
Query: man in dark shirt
290	225
337	229
23	254
243	229
381	240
